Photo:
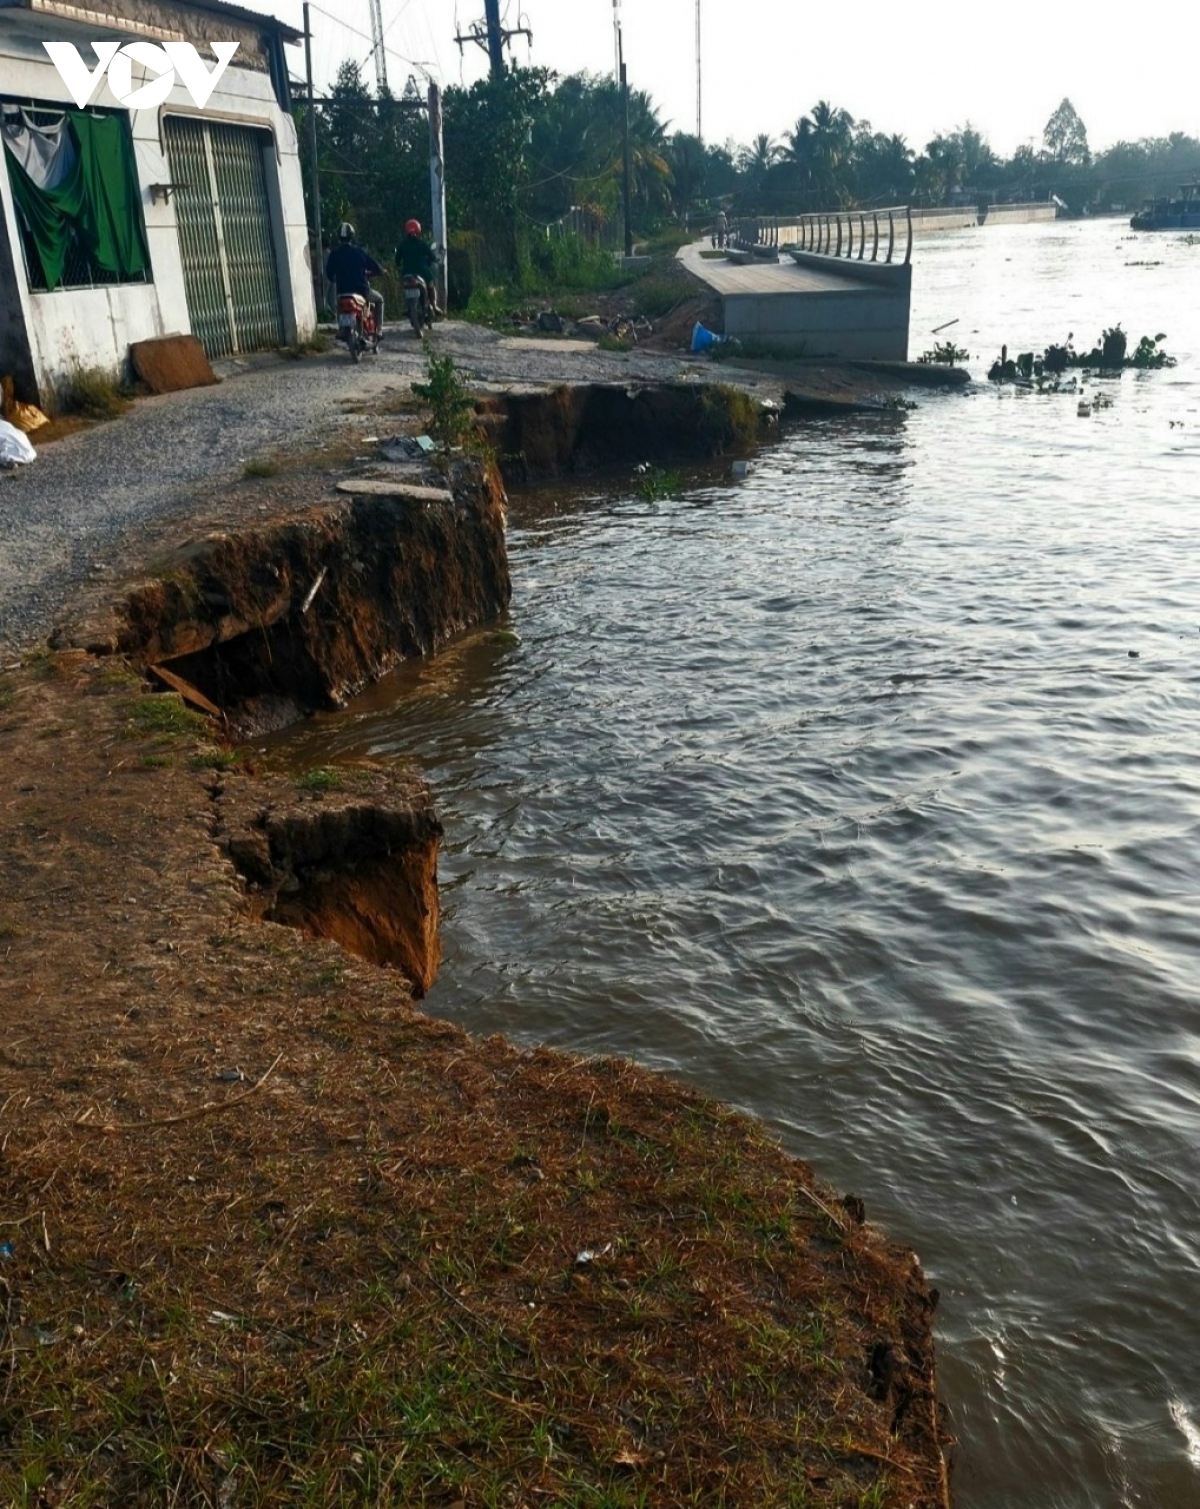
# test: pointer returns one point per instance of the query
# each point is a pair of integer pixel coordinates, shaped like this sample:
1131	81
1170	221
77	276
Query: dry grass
358	1280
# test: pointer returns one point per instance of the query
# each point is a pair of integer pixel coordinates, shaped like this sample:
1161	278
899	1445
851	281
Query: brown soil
274	1237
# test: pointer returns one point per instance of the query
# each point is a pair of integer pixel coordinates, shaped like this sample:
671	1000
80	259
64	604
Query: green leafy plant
1113	345
657	485
452	408
944	354
1149	355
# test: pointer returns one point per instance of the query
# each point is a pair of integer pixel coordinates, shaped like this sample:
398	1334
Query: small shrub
451	407
656	485
1113	345
1149	355
944	354
613	343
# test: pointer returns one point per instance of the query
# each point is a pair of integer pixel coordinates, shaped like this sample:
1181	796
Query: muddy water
866	794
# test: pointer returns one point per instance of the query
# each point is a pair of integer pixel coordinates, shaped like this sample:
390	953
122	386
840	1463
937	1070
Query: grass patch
613	343
155	761
165	715
730	420
93	393
321	778
215	759
46	664
550	272
316	345
260	466
115	675
655	296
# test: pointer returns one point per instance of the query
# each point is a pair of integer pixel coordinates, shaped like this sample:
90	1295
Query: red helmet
413	228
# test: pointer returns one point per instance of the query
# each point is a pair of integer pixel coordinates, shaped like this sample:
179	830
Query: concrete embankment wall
865	321
966	217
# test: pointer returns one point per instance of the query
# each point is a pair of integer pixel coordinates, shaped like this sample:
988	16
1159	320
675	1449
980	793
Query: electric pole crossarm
492	37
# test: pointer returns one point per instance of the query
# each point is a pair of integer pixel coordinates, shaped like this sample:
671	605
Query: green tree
1065	136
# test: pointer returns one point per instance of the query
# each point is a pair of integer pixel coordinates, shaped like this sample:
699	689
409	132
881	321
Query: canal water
865	794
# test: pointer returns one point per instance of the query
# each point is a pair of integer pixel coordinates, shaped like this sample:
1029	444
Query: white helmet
345	231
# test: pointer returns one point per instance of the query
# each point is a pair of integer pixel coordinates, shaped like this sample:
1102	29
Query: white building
189	220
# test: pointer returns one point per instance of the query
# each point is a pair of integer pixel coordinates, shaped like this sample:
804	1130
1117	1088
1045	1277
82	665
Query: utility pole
491	36
495	38
617	41
699	78
437	185
318	266
377	45
627	176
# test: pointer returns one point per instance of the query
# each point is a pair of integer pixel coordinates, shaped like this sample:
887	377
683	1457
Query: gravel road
63	518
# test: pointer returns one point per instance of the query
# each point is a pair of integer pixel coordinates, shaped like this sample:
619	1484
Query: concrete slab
408	492
547	343
783	277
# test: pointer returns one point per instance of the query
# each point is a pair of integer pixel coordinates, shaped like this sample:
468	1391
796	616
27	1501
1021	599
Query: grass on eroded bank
360	1307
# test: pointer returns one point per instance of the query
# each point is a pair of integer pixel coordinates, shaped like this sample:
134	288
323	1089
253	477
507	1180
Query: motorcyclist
416	258
349	268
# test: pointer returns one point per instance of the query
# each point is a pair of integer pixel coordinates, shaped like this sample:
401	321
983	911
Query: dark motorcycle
356	327
418	304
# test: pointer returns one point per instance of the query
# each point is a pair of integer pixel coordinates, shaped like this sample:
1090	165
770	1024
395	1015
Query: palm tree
832	137
757	160
798	154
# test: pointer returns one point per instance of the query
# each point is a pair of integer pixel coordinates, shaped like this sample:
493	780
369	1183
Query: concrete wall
871	325
94	327
965	217
1019	214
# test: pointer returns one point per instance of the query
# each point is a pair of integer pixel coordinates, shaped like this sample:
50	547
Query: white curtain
47	153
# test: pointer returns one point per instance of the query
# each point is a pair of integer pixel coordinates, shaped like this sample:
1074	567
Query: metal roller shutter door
223	217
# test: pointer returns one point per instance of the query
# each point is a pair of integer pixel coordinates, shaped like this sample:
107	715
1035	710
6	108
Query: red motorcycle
356	327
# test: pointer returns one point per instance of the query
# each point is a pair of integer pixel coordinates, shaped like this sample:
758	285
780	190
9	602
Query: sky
915	69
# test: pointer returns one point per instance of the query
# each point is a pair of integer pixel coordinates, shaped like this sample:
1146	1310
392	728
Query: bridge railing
852	235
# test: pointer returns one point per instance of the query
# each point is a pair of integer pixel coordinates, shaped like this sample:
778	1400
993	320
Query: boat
1179	214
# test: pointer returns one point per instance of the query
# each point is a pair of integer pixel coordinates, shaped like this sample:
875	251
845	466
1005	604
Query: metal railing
852	235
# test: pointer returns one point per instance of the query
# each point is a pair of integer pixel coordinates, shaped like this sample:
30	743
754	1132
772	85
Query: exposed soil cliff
597	427
352	858
274	619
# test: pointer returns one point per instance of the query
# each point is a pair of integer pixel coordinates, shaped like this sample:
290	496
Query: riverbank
276	1237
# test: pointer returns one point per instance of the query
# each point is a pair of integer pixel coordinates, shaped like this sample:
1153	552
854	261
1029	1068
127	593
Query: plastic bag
26	416
14	445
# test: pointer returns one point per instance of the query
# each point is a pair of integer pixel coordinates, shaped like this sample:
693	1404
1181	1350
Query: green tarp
98	202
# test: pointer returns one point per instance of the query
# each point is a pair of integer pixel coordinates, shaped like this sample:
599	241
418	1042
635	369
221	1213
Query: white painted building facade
220	193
